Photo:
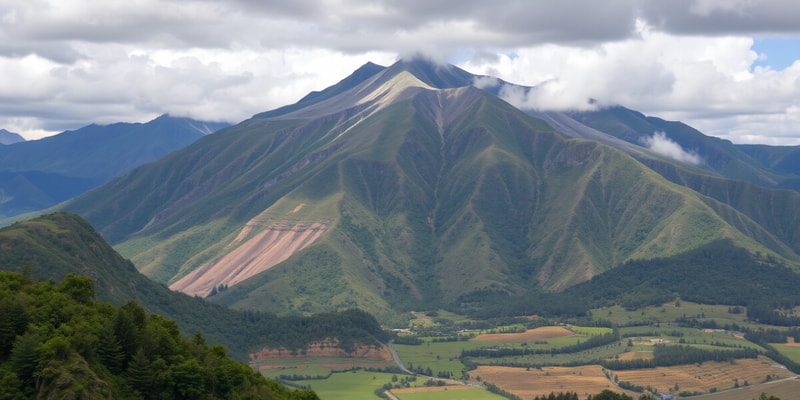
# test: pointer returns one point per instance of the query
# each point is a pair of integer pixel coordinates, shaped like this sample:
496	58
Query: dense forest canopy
56	341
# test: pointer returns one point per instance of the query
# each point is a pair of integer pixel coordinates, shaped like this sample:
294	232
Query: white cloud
485	82
707	82
665	146
67	63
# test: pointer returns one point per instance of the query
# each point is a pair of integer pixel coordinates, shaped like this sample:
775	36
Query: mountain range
408	187
37	174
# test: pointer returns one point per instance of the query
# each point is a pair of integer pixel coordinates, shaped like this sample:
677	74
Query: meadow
789	350
348	385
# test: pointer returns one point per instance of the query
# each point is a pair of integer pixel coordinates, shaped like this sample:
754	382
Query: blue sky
68	63
779	52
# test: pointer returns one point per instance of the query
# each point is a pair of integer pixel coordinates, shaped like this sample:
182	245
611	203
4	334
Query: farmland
445	393
632	351
527	383
785	389
531	335
706	377
792	351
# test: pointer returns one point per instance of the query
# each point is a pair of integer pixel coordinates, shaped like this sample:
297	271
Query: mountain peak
7	137
394	88
437	75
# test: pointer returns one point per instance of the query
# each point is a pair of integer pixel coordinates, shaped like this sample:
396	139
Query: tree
13	321
191	380
109	350
140	375
25	355
79	288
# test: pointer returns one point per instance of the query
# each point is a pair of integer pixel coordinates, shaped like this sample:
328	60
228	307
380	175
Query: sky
730	68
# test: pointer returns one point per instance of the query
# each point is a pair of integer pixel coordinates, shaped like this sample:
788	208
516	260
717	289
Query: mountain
54	246
780	159
406	187
37	174
7	137
678	141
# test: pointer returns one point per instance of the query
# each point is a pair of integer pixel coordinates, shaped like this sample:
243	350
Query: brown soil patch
702	377
260	253
791	342
636	355
324	349
299	207
527	384
531	335
431	389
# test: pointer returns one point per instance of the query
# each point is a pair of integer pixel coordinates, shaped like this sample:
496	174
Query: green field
669	312
349	385
316	366
691	336
451	394
793	352
436	356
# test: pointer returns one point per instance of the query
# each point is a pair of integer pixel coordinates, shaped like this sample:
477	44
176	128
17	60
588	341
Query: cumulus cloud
708	82
67	63
665	146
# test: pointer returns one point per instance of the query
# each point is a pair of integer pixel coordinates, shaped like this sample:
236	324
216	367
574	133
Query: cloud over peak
665	146
72	62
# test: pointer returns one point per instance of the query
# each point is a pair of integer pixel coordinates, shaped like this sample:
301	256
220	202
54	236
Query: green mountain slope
56	245
392	194
714	155
781	159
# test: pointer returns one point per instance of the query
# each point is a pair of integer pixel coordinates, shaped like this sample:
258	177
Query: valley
442	352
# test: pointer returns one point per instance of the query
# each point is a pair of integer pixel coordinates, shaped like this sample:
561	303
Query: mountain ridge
429	196
7	137
38	174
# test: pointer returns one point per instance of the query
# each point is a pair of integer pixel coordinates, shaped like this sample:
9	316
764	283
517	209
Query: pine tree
140	376
110	351
25	356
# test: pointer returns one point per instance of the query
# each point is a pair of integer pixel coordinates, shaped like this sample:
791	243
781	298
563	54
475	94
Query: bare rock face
259	253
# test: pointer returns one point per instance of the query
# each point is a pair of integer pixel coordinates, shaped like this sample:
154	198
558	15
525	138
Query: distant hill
7	137
406	188
55	245
40	173
781	159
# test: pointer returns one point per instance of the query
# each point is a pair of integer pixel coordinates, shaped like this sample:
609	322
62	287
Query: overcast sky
727	67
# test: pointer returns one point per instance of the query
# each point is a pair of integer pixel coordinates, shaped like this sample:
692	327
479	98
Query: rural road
397	360
399	363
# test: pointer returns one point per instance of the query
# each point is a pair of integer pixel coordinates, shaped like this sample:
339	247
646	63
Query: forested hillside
57	342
